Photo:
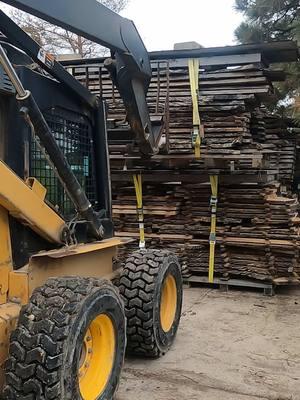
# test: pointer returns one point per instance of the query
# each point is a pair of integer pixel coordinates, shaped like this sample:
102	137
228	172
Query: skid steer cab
67	314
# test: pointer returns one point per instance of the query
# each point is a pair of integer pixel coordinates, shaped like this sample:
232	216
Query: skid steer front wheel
151	286
69	343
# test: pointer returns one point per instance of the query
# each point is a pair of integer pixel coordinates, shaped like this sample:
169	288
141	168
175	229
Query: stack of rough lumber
284	143
227	100
258	223
224	101
257	230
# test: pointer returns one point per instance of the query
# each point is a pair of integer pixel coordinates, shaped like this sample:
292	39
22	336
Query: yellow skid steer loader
66	313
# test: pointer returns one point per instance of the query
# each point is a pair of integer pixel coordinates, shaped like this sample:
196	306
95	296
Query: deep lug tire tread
139	286
35	366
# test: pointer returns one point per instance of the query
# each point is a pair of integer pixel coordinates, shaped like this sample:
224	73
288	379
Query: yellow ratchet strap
194	83
212	239
138	185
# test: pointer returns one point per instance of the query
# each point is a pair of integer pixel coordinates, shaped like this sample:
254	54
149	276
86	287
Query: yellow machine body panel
5	248
9	314
18	291
27	204
92	260
5	255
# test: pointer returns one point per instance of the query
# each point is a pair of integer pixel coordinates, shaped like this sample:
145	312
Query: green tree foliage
269	20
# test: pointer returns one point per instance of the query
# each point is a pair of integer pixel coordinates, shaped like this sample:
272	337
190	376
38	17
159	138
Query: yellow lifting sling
194	83
212	239
138	185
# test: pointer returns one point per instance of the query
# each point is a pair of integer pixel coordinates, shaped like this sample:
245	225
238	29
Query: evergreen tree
269	20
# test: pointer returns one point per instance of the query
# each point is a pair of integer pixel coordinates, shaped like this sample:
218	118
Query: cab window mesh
73	135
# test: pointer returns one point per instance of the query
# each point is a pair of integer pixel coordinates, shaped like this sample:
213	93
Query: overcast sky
162	23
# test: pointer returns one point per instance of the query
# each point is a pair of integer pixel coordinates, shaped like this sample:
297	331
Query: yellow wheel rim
97	357
168	305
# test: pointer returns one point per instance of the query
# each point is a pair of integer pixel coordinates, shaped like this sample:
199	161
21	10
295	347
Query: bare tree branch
59	41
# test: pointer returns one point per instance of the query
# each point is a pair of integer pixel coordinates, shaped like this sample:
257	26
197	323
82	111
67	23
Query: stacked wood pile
258	222
284	144
257	229
227	101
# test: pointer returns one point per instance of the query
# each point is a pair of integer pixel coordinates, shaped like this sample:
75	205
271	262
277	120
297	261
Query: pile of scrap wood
253	152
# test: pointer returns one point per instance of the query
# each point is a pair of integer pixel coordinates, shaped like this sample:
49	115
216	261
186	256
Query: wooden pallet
224	285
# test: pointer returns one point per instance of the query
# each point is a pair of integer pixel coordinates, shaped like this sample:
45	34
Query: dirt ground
230	346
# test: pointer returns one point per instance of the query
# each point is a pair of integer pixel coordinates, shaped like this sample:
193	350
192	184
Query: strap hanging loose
138	185
214	180
197	128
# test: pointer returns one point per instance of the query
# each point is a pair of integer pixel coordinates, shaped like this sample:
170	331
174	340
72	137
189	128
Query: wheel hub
97	357
168	305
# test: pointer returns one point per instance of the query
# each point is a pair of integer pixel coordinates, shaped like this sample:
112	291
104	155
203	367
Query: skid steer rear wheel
69	343
151	286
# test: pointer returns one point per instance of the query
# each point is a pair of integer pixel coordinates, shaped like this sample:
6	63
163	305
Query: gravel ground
230	346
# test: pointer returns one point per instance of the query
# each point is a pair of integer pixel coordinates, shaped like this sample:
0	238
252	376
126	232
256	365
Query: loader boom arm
130	66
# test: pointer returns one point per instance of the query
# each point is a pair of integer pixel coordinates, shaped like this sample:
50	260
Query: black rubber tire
141	284
45	347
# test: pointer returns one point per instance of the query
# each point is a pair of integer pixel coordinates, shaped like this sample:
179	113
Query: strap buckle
213	201
140	213
142	245
212	238
195	136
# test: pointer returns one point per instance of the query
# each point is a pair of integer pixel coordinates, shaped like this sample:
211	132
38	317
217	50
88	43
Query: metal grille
73	135
5	84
